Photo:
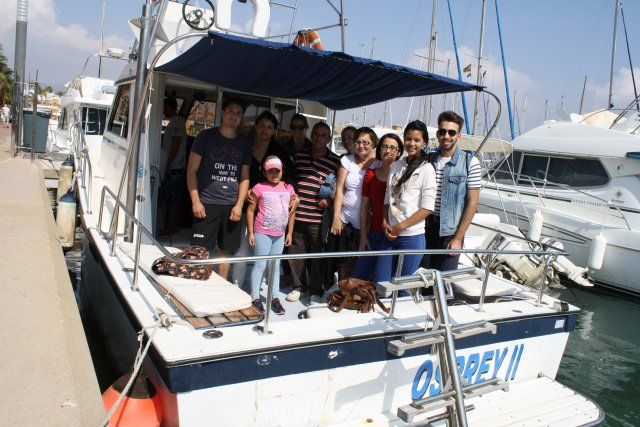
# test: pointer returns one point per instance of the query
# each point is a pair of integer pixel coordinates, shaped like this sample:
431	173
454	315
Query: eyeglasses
443	132
363	142
299	127
391	148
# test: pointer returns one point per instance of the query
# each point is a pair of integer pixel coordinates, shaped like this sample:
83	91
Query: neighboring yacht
583	176
213	358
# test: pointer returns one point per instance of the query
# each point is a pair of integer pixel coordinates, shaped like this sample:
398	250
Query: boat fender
535	226
64	178
66	219
141	407
596	252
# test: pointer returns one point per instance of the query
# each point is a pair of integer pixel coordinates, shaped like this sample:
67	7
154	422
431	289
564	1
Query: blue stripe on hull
195	375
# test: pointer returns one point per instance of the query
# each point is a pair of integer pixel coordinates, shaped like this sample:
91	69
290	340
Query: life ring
308	38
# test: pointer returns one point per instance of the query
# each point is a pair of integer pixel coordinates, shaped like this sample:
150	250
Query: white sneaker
294	295
315	299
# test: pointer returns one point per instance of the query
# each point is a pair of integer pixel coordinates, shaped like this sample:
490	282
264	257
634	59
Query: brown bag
187	271
355	294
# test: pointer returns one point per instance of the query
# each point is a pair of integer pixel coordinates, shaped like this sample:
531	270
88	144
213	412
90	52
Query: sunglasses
300	127
443	132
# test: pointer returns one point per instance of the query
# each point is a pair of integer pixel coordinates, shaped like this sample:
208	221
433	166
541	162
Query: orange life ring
308	38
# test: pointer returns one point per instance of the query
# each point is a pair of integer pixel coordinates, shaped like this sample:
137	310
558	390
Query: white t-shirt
473	178
419	191
353	190
6	111
175	127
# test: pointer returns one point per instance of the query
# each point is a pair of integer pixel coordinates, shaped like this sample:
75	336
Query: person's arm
419	215
337	226
192	183
289	237
251	212
470	208
243	189
365	224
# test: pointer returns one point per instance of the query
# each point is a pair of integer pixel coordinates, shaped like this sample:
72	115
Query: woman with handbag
346	205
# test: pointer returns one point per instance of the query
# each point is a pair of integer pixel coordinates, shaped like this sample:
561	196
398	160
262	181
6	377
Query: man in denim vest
458	188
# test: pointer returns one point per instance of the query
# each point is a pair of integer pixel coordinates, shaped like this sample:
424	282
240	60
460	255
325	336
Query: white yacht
481	351
583	176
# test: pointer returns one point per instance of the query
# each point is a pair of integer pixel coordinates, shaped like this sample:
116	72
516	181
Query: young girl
272	228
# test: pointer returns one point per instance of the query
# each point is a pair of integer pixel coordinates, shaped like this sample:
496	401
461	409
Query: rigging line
405	50
626	37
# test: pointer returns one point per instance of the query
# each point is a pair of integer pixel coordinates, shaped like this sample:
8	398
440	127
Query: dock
45	365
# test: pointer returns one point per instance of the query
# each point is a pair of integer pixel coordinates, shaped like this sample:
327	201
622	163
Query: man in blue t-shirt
218	181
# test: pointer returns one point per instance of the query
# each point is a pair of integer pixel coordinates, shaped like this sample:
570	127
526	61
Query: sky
550	46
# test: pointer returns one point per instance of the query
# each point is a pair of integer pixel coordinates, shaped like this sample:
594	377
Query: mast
613	54
455	49
506	77
475	108
104	8
626	38
431	56
584	86
364	111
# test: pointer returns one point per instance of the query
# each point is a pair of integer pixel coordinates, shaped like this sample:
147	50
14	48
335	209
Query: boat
477	349
581	177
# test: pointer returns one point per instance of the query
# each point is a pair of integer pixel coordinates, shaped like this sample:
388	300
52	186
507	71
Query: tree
6	80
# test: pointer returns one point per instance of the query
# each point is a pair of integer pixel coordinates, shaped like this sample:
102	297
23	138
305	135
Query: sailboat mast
506	77
475	107
584	86
455	49
613	53
104	8
431	56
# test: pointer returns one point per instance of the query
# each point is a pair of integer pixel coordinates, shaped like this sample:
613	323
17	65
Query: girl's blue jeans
266	245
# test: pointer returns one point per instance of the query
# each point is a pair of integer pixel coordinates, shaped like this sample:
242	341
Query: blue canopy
335	79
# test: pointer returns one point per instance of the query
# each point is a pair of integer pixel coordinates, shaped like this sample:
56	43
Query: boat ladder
441	337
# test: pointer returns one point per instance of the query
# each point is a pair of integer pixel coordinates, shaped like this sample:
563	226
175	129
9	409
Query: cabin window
94	120
202	116
577	172
509	168
119	121
534	167
284	113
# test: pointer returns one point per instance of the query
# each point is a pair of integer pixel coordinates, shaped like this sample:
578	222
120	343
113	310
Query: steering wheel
198	17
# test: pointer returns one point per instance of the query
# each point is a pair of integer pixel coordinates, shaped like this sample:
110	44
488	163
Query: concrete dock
47	374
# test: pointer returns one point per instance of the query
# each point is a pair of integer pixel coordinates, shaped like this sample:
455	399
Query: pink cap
272	162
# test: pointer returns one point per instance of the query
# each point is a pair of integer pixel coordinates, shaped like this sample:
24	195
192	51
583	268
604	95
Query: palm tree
6	80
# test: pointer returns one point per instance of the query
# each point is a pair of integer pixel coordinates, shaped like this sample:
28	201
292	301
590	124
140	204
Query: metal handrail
568	187
624	111
141	229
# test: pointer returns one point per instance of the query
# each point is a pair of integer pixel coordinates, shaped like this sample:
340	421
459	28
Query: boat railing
81	153
140	230
607	204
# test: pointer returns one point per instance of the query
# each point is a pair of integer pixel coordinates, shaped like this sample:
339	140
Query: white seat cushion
201	297
495	287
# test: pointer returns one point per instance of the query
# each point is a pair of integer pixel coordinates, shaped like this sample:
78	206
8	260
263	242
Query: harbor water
602	359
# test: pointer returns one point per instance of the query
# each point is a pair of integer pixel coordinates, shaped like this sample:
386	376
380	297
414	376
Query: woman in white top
410	198
348	198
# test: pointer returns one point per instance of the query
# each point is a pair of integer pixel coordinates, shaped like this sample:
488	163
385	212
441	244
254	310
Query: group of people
263	197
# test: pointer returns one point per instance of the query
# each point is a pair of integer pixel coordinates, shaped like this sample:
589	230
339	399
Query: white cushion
495	287
201	297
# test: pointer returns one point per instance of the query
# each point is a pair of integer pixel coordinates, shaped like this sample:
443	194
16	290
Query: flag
467	70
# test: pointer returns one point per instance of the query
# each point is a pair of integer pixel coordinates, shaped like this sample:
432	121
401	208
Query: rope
137	364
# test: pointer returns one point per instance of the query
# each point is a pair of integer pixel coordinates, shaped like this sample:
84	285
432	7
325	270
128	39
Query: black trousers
443	262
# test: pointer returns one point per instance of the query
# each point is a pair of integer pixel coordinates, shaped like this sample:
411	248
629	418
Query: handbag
168	267
355	294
